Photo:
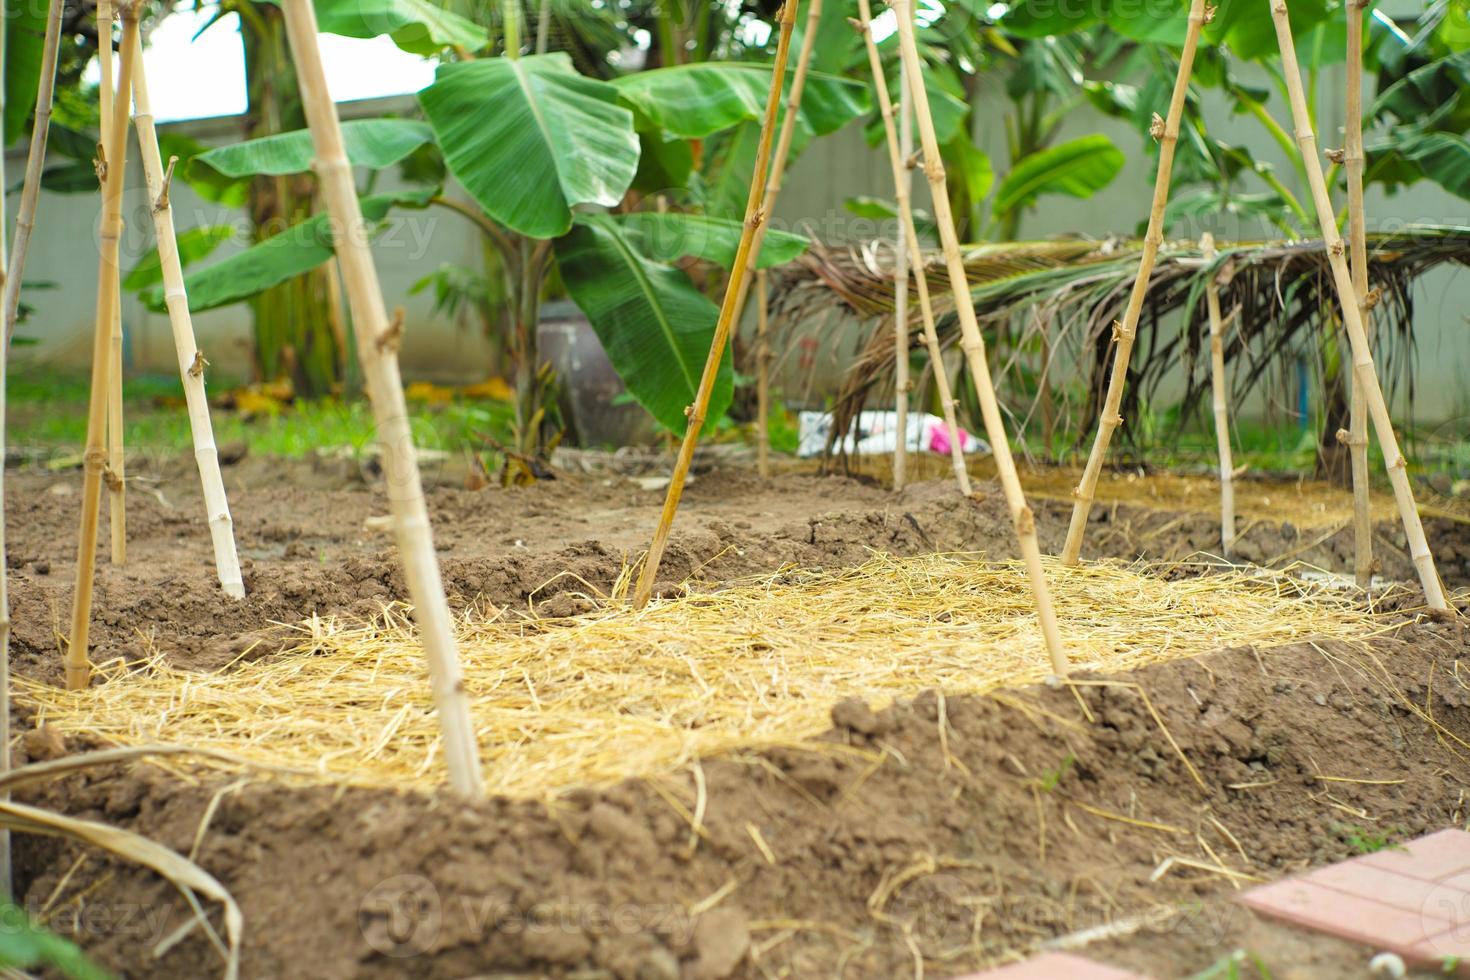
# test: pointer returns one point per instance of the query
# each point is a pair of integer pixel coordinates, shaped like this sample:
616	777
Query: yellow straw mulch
612	694
1309	504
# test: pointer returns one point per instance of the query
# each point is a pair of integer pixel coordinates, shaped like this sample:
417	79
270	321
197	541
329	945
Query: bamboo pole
756	213
1364	376
6	885
191	360
1219	396
1357	435
898	158
116	472
377	348
973	343
762	375
1166	131
903	190
30	194
110	174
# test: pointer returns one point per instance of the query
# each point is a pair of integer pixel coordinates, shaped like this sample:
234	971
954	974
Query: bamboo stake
1167	133
30	194
755	215
1364	375
973	343
762	375
116	473
903	190
53	17
898	159
1222	418
110	173
778	159
377	348
191	360
1357	435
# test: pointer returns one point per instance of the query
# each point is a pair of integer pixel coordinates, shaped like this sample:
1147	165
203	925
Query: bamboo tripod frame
378	351
191	360
1219	397
110	174
116	473
1365	379
903	189
898	163
755	215
973	343
1166	131
1357	435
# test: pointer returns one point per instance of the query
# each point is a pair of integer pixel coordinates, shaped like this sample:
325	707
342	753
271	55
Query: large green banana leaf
374	143
417	26
656	327
293	252
25	37
194	245
698	100
529	138
671	236
1078	168
1412	155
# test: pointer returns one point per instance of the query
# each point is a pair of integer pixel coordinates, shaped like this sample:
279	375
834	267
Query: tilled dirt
942	832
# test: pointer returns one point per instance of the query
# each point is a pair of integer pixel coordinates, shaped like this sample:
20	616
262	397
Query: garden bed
950	828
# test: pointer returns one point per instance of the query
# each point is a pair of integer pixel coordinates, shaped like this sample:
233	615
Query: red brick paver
1413	900
1055	966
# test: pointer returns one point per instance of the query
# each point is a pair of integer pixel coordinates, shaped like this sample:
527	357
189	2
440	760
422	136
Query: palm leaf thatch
1048	308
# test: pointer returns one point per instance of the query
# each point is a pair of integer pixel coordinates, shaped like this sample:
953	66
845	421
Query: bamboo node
161	204
858	25
1156	127
99	163
1025	521
94	459
912	161
1399	463
1210	12
392	338
1373	298
197	366
1116	421
1336	248
1336	156
110	477
758	218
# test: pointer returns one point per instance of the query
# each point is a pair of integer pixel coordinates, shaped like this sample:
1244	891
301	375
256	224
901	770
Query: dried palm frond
1069	292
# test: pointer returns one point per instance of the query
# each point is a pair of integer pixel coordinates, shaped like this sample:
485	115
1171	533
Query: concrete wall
830	171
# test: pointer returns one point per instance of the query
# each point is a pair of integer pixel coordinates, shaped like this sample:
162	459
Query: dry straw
618	693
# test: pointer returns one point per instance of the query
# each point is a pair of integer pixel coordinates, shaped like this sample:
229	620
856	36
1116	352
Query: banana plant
551	161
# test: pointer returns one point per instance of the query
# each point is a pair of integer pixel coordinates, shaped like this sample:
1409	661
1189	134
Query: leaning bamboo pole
762	375
30	193
1219	399
899	152
1356	436
903	186
1166	131
377	348
191	360
110	175
116	473
756	213
973	344
1365	377
12	270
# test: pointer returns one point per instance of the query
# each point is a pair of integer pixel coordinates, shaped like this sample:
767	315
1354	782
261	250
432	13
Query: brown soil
959	834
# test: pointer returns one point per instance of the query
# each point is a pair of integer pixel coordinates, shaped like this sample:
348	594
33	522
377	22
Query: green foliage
698	100
529	138
194	245
1077	168
656	327
26	946
25	39
374	143
669	236
1368	842
417	26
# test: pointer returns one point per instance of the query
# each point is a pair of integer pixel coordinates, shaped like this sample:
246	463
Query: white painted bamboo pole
898	159
1166	131
191	359
1356	436
110	174
1364	375
973	343
1219	399
377	347
116	473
